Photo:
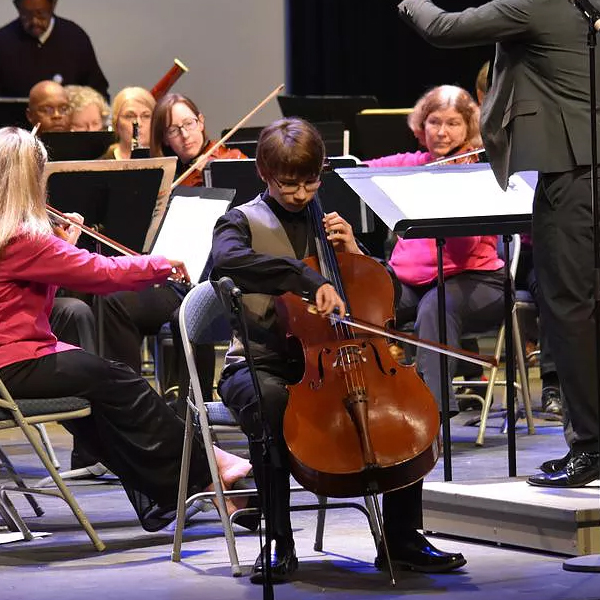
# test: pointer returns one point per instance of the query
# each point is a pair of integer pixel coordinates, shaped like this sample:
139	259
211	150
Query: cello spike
384	543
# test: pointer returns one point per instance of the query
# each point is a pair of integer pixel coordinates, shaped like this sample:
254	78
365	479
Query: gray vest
267	237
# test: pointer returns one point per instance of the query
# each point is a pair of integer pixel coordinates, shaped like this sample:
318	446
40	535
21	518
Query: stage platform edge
512	512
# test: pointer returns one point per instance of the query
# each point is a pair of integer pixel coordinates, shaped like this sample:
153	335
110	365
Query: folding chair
25	414
202	320
522	385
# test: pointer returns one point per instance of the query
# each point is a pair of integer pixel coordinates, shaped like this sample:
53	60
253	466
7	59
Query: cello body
358	422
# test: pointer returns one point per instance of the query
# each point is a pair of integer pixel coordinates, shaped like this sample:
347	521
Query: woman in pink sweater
131	429
445	120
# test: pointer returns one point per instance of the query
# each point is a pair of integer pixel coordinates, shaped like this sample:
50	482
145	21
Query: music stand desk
120	195
407	200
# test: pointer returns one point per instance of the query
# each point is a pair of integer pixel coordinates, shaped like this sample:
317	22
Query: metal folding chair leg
63	492
12	473
47	444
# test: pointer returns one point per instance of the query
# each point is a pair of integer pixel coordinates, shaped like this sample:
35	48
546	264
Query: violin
463	155
179	272
201	161
358	422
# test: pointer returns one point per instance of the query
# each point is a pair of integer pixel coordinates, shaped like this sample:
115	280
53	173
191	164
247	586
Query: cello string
324	255
351	360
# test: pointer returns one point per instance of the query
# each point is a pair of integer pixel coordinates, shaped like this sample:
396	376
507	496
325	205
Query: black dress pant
130	316
131	429
563	256
72	321
402	509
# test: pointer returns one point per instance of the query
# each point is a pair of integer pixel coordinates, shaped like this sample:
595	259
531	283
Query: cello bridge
349	356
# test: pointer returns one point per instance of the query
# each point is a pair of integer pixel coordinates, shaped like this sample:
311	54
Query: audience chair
25	414
202	320
521	385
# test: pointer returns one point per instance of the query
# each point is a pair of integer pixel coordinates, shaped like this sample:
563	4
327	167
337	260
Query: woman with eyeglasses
131	105
178	128
445	120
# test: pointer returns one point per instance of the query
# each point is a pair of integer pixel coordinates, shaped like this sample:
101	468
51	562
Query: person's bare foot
232	468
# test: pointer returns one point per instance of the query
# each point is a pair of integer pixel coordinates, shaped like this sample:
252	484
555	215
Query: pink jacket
415	261
32	268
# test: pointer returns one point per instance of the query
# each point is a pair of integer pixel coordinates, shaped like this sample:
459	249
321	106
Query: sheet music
186	232
434	195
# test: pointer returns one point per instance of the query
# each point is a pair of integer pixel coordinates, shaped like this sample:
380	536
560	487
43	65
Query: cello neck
325	252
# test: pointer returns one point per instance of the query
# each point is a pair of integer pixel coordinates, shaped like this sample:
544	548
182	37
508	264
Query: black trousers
402	509
131	429
129	316
563	256
72	321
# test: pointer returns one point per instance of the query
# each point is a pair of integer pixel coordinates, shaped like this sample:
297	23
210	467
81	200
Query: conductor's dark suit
536	117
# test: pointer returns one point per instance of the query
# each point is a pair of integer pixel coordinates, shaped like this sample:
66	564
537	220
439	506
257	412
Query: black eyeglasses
50	111
187	125
291	188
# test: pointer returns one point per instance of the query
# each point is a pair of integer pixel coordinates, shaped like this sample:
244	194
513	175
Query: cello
358	422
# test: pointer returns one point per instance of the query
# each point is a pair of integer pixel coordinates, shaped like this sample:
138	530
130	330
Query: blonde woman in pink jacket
131	429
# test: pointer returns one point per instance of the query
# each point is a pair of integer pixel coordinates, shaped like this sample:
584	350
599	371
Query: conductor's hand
340	233
179	273
327	300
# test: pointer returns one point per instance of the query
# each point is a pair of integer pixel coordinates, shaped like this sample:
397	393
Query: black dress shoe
555	465
283	562
581	469
416	553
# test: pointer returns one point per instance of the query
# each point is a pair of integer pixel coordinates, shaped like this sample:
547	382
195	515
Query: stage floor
137	566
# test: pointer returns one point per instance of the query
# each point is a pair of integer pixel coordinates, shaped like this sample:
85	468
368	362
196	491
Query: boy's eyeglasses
291	188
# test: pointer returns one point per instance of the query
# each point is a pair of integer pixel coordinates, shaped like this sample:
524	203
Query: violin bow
447	159
92	233
203	158
483	360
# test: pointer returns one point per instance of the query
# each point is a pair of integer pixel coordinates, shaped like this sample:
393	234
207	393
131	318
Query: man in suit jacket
536	117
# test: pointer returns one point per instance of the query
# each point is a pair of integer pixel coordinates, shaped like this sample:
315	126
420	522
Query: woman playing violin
445	120
178	127
260	245
130	429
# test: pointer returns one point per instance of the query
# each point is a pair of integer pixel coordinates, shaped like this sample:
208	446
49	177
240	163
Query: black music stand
381	132
12	112
186	227
245	139
335	195
319	109
117	197
432	202
76	145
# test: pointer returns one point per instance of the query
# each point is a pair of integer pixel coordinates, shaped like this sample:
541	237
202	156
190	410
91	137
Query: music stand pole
233	293
591	562
445	391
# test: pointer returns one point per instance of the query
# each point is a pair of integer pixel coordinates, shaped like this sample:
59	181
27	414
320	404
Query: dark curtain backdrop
357	47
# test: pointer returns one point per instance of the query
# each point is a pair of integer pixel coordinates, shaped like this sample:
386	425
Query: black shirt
254	272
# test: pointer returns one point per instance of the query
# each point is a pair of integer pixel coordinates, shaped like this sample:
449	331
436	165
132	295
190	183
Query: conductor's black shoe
283	562
555	465
416	553
581	469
